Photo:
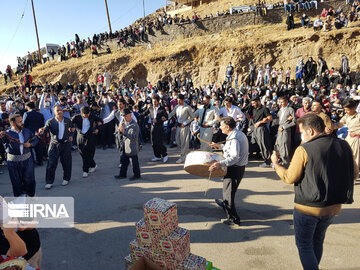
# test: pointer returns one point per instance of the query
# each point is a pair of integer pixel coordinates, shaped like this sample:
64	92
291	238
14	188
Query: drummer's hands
214	166
215	145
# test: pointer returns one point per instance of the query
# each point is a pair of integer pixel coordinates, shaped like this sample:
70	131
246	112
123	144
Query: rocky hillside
204	54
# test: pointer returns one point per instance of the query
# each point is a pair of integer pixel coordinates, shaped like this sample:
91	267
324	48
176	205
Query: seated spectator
343	20
305	21
324	13
353	16
339	11
194	18
93	50
327	24
318	24
331	12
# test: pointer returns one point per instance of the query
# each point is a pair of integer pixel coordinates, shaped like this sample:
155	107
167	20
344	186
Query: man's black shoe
119	177
134	178
220	203
231	221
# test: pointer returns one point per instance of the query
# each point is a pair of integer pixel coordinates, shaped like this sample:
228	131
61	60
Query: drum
198	163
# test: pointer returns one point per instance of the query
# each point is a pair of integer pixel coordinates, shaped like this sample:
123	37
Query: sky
59	21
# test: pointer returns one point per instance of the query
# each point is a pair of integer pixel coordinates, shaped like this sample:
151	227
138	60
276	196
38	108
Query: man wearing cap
129	130
86	126
184	116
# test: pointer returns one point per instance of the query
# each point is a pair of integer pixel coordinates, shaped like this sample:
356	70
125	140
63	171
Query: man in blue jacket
18	143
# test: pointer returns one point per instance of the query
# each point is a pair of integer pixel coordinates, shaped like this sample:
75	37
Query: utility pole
144	7
165	6
36	30
107	12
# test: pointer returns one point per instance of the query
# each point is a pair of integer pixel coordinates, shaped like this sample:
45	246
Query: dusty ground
106	210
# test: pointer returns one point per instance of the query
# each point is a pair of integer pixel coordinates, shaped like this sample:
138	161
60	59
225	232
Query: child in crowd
194	129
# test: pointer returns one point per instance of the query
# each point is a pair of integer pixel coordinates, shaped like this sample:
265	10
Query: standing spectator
286	117
262	116
299	71
252	73
316	107
345	68
27	80
129	130
208	116
229	73
274	75
100	82
288	75
107	80
321	186
352	121
260	76
194	130
267	74
290	21
184	116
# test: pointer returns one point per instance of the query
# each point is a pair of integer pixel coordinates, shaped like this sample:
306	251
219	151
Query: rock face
66	77
203	51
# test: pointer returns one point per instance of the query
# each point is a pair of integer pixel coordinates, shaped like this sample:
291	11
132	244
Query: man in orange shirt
322	171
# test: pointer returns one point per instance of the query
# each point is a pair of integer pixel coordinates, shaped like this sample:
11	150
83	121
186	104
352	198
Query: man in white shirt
209	116
231	110
86	126
236	151
61	137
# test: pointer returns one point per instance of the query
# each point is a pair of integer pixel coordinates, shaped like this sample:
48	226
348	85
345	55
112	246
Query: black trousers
62	150
107	133
22	176
125	160
263	139
157	140
86	147
40	151
230	184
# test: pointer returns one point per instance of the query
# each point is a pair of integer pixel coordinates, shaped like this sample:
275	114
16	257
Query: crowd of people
327	20
46	122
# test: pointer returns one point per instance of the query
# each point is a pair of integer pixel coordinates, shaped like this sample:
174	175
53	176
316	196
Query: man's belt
17	158
179	125
206	127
